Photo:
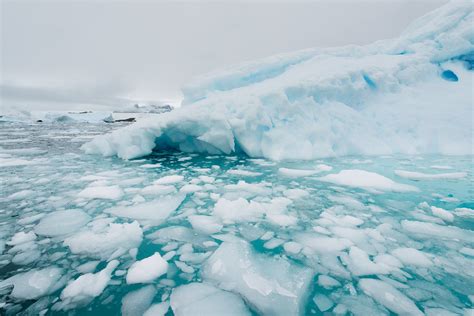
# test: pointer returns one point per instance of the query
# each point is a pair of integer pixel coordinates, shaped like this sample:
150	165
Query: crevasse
410	95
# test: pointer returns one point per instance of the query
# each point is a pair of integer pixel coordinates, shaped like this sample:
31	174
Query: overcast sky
64	54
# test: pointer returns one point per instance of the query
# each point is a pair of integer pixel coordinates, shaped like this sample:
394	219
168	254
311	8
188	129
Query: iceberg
396	96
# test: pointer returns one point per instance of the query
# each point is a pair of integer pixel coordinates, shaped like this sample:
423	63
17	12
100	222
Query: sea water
346	235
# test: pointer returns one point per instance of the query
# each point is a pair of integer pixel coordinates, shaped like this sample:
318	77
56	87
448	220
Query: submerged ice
398	96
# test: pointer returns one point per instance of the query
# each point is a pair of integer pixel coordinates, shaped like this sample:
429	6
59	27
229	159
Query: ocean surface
350	235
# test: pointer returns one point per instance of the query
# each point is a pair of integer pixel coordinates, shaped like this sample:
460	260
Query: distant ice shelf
409	95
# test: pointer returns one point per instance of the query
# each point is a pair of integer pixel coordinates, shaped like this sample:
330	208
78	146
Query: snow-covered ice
147	269
273	286
397	96
205	299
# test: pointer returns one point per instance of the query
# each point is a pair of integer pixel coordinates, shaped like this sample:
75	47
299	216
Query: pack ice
393	96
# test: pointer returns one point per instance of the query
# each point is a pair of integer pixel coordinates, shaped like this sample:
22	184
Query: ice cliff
409	95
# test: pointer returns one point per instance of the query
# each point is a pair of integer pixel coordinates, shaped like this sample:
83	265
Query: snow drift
409	95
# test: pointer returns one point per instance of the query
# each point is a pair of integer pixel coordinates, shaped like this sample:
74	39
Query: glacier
396	96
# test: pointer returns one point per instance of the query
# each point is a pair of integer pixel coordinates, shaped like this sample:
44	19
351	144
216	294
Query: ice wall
409	95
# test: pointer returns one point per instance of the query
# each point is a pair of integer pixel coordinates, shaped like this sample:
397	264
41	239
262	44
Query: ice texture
87	286
394	96
147	270
111	241
289	244
61	223
205	299
273	286
366	180
389	296
154	212
34	283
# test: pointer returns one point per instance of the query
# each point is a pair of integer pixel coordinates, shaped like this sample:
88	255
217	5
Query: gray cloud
152	48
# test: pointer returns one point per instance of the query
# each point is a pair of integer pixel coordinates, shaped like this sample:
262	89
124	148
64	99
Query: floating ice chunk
366	180
273	243
440	312
26	257
169	179
111	240
102	192
430	230
34	283
155	212
389	296
412	256
274	286
151	165
177	233
137	302
61	223
442	213
323	244
249	190
360	264
282	219
467	251
88	267
323	302
348	201
87	286
20	195
147	270
412	175
184	267
239	210
323	167
296	173
244	173
158	189
30	219
292	247
159	309
328	282
464	212
21	238
205	224
207	179
14	162
295	194
190	188
205	299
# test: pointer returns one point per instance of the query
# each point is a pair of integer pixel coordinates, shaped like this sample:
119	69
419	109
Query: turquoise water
45	163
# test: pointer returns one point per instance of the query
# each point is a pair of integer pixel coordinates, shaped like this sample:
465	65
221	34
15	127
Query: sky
81	54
